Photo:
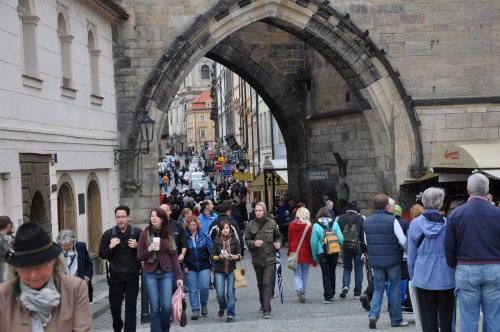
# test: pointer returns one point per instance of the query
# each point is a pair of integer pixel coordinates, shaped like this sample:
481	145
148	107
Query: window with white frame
202	133
205	72
202	118
29	42
94	61
65	40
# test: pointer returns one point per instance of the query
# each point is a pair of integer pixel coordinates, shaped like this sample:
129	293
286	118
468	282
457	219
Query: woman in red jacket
295	231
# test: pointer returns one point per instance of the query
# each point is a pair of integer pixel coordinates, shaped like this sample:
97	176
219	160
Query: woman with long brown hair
157	250
225	252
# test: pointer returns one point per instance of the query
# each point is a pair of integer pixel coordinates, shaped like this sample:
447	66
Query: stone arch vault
362	65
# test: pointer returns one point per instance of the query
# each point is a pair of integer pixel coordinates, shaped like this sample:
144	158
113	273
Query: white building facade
58	126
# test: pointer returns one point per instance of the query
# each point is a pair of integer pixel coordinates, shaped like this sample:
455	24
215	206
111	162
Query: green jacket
265	254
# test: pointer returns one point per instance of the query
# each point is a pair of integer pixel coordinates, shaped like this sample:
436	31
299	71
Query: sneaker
345	290
267	314
261	309
327	301
355	297
365	302
403	323
221	313
373	323
204	309
196	315
230	319
302	299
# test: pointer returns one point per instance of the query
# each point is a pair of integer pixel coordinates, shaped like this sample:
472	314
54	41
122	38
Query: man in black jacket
224	214
119	247
352	217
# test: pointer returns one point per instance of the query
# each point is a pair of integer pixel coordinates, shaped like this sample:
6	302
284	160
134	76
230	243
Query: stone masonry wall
458	124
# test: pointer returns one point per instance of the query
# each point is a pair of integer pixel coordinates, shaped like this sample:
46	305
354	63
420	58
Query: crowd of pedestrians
441	260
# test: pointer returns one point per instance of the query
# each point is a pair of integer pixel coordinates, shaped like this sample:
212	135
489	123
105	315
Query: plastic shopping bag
176	309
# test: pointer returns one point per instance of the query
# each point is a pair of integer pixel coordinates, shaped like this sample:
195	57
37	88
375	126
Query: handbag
240	277
176	309
294	256
183	316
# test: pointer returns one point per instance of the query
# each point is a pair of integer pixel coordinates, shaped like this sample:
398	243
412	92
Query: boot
204	309
196	315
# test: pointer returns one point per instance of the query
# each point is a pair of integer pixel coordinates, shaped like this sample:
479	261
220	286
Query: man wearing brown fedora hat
37	295
119	247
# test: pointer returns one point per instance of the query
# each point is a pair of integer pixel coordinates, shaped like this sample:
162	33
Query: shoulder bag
294	256
240	278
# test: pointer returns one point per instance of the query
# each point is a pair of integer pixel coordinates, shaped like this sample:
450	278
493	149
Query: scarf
325	221
226	245
71	262
39	303
156	232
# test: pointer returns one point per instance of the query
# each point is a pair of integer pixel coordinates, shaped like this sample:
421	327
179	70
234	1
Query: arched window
205	72
29	43
65	40
94	53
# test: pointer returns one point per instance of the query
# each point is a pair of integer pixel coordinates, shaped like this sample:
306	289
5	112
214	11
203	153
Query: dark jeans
432	302
328	263
264	276
348	257
120	287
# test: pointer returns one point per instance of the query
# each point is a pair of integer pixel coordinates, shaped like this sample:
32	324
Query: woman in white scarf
36	293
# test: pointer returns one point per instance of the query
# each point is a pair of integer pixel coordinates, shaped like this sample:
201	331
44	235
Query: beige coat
72	314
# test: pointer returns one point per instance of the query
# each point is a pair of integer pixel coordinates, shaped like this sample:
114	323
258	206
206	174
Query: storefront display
450	168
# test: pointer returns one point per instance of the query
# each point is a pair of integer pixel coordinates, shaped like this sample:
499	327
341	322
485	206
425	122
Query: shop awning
423	178
480	156
258	183
492	172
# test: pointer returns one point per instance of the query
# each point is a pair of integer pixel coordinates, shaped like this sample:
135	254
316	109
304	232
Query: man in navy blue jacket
384	238
472	247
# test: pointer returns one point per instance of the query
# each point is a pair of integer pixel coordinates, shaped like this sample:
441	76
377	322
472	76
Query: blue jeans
198	281
159	289
349	256
300	275
478	286
380	275
230	302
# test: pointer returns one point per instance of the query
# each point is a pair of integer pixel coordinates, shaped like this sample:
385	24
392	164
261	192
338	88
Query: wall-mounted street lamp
146	127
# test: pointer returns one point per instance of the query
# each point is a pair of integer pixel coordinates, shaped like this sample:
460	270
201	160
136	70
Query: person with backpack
326	241
119	246
351	224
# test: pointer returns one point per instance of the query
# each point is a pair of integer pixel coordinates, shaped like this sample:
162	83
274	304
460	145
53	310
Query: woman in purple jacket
161	266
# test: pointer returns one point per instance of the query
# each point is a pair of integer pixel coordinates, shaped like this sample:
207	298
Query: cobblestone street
314	315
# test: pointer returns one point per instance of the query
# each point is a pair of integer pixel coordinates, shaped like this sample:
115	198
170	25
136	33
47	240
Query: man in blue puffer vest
384	238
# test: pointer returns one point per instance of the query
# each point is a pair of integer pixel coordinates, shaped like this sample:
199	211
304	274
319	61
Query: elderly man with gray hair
472	249
78	262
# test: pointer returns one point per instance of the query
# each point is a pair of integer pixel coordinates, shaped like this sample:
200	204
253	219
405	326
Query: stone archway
66	204
362	65
38	210
94	214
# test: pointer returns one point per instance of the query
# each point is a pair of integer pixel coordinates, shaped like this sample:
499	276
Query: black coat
216	249
85	265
